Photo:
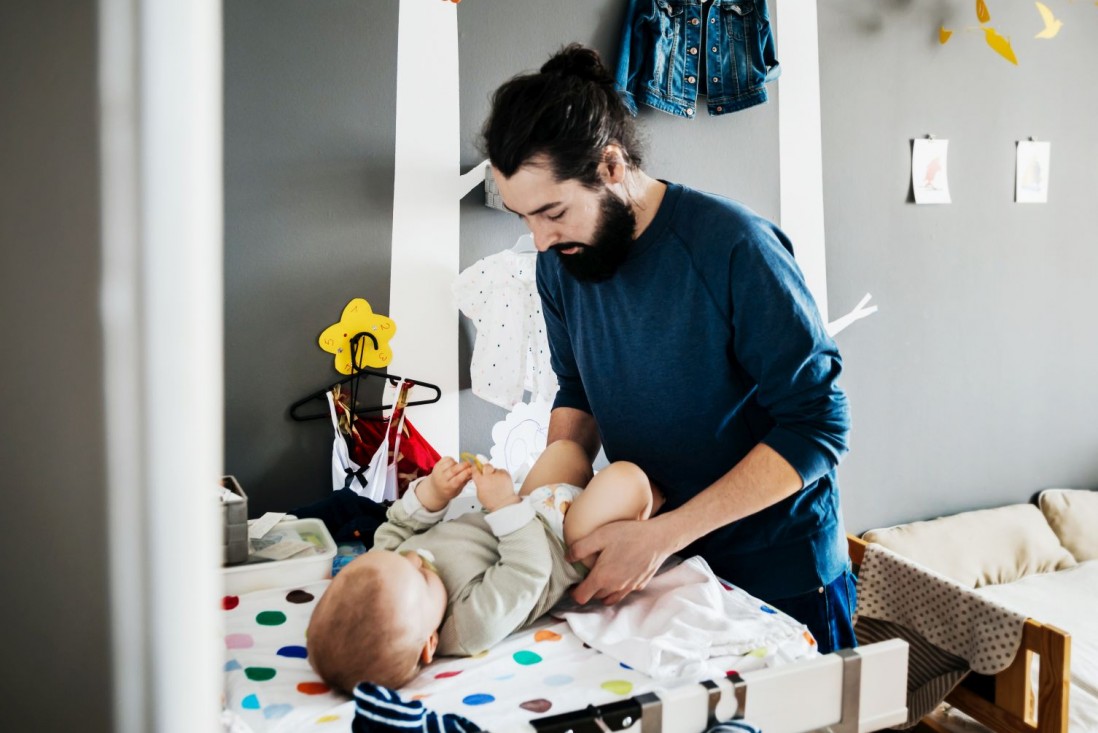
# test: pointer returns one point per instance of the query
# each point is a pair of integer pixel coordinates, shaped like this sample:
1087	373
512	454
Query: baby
431	588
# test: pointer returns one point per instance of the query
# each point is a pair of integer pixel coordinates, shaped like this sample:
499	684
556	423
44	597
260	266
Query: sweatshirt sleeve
498	602
782	343
563	360
405	518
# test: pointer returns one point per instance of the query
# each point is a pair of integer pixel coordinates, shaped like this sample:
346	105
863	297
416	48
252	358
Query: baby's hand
495	489
446	481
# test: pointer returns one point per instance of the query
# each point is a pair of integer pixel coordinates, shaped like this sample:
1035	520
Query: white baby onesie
511	353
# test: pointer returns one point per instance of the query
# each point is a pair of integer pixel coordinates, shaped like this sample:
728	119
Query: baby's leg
562	462
619	491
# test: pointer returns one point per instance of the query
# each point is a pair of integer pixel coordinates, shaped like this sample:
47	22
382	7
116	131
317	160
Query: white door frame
161	309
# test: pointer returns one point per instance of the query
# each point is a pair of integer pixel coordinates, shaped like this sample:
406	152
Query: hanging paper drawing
372	349
929	179
1031	176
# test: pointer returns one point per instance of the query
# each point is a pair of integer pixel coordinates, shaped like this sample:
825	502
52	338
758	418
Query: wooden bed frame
1006	701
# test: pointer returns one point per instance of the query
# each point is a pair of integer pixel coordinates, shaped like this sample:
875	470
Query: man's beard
601	258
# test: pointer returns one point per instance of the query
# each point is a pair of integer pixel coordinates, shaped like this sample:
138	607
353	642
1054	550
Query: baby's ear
428	652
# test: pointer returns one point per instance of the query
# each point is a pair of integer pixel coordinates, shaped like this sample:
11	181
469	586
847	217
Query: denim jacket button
720	109
689	111
714	49
694	21
691	79
693	51
716	78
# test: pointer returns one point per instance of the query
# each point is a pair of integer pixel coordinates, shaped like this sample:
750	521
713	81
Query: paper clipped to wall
929	173
1031	173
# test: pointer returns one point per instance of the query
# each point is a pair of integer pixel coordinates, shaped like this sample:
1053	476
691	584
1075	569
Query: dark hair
569	111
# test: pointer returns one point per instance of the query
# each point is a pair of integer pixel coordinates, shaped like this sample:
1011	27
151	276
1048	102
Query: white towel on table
683	619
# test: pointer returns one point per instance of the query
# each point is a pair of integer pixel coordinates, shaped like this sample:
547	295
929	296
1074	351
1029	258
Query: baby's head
377	621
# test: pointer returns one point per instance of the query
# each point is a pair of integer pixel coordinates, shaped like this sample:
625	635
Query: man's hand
628	554
495	489
446	481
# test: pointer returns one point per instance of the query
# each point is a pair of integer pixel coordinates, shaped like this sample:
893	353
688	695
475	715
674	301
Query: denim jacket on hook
663	43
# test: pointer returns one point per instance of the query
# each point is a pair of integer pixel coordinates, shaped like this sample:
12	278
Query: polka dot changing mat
542	670
269	684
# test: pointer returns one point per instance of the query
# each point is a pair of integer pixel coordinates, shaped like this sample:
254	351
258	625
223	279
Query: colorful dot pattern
526	658
260	674
267	669
295	651
270	618
544	671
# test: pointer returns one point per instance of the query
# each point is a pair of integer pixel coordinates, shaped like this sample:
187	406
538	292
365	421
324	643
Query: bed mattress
1066	599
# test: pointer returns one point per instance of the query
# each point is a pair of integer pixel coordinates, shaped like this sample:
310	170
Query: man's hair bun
568	112
578	61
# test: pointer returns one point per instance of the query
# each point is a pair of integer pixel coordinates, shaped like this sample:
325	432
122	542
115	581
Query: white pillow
983	547
1073	516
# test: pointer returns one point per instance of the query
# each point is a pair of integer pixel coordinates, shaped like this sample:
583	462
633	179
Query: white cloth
685	623
346	474
380	475
511	353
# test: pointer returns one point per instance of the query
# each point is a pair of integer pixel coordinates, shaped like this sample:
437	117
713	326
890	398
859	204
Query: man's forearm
568	423
761	479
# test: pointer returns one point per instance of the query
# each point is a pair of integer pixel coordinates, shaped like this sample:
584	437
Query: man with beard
685	341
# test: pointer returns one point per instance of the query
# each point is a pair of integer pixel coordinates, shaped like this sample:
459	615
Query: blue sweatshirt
703	344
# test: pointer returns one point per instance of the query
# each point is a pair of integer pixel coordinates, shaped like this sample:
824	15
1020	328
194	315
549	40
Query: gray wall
975	385
55	613
309	129
972	387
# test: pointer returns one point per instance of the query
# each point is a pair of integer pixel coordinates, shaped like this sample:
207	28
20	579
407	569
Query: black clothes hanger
358	373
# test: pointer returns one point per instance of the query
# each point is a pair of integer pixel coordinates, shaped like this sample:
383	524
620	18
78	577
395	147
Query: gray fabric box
234	521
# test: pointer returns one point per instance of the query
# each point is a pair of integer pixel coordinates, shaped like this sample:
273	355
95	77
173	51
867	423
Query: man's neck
646	195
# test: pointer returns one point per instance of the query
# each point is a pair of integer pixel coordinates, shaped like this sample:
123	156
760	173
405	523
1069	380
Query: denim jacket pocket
739	18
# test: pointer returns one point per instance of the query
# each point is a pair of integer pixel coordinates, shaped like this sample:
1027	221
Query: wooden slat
1013	692
1054	647
988	712
856	547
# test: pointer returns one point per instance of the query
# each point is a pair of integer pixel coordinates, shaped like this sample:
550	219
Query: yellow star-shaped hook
374	350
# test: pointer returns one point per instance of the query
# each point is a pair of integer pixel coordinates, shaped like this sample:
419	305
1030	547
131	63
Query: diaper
551	503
